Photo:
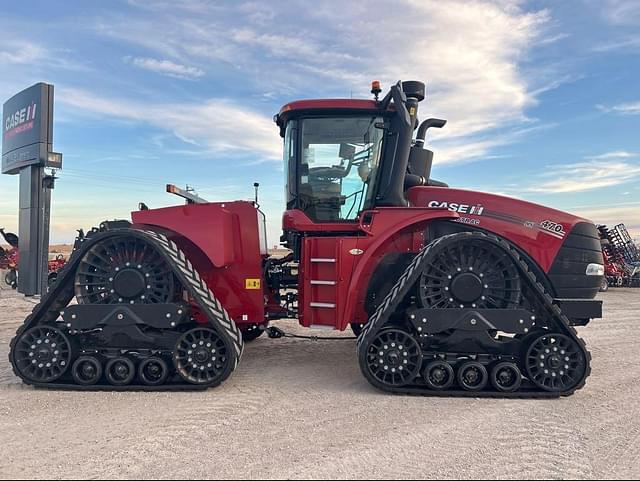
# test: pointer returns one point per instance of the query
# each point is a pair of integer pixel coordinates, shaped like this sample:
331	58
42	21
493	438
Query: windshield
338	166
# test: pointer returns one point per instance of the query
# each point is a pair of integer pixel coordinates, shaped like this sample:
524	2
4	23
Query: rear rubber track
61	293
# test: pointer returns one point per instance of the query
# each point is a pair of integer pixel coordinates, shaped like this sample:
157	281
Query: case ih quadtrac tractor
451	291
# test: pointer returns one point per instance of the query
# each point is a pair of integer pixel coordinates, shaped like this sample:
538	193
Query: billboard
27	129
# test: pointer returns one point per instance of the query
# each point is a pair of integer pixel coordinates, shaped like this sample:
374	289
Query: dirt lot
301	409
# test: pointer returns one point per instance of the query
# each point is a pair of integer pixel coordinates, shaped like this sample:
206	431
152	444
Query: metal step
315	282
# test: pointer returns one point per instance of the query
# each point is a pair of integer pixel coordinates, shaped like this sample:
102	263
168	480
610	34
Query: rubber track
543	303
62	293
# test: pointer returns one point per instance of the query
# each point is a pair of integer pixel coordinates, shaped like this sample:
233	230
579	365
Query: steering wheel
331	172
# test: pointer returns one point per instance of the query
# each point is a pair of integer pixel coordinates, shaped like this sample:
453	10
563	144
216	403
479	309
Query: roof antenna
255	186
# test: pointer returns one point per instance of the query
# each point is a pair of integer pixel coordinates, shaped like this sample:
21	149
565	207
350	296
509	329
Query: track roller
439	375
120	371
472	376
506	377
153	371
87	370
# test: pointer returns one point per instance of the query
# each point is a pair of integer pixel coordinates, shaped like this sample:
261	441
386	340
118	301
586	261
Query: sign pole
27	139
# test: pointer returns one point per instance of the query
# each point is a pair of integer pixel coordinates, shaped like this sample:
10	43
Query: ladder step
322	283
322	259
323	305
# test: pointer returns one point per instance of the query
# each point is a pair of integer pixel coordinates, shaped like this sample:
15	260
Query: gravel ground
302	409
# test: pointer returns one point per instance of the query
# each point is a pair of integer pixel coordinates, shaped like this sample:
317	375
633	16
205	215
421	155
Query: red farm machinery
449	292
621	257
10	257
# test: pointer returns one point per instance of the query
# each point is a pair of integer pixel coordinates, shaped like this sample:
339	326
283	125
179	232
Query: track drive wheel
393	359
42	354
470	272
202	357
556	363
124	270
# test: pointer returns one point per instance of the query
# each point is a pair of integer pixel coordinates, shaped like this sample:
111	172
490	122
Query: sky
542	97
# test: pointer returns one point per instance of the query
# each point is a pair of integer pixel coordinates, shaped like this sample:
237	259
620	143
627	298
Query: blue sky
542	97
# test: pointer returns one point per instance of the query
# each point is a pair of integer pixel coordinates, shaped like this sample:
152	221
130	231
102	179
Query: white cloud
613	215
471	54
166	67
632	42
217	125
585	176
21	52
616	154
621	12
631	108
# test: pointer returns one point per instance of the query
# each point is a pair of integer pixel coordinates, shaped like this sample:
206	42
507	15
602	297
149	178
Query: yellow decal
412	111
252	283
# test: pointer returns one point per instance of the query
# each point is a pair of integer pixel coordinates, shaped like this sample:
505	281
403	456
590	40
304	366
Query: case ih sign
27	129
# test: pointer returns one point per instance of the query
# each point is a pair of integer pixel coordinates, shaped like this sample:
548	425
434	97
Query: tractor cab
332	153
346	156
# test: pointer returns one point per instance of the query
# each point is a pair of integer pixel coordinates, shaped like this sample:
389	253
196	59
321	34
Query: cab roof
351	104
327	106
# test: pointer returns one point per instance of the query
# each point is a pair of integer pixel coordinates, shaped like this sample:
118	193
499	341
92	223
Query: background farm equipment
621	257
10	257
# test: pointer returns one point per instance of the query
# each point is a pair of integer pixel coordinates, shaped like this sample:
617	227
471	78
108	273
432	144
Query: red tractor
451	292
9	261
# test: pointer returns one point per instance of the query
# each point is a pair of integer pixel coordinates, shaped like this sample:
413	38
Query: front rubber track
540	300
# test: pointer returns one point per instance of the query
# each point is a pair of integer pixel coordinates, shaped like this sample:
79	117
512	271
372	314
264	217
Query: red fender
387	224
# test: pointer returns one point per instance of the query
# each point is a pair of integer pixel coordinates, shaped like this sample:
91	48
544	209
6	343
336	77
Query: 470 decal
553	228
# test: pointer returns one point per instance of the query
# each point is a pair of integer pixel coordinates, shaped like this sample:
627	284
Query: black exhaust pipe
406	96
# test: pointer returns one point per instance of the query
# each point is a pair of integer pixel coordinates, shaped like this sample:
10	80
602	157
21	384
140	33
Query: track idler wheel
556	363
153	371
42	354
506	377
393	359
439	375
86	371
472	376
120	371
201	357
